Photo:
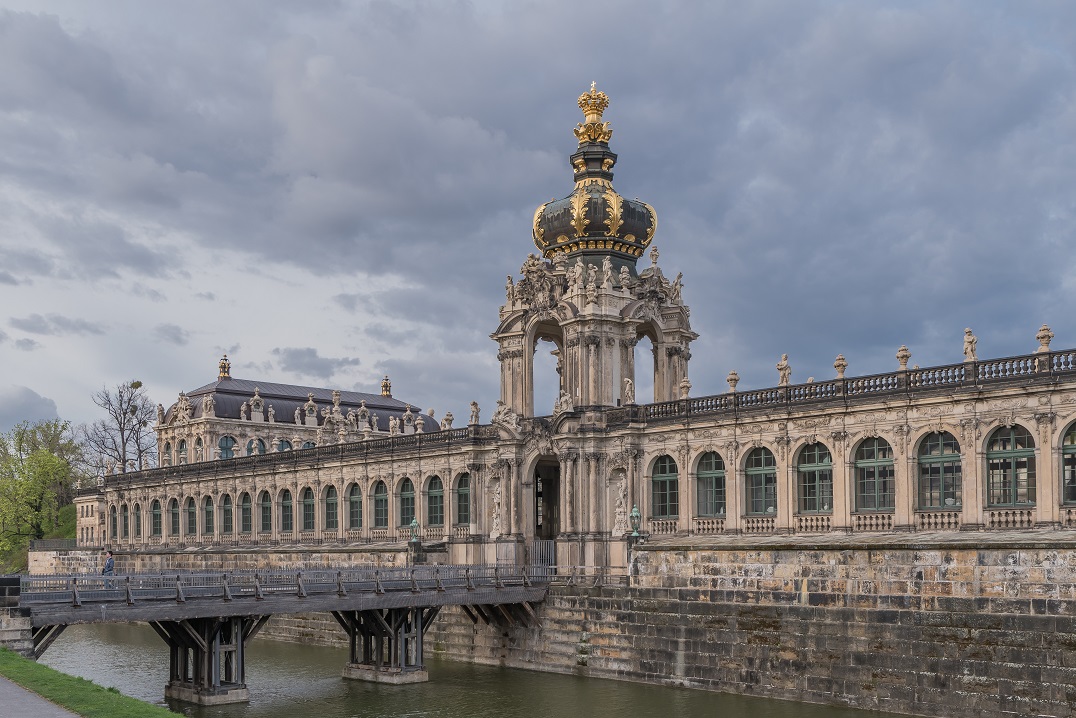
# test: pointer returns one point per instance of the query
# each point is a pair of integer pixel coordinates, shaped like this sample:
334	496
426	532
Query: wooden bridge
207	618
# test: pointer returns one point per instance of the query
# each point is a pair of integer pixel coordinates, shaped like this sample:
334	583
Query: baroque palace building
976	446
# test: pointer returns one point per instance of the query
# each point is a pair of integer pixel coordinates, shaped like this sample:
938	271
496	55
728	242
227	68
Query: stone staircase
16	631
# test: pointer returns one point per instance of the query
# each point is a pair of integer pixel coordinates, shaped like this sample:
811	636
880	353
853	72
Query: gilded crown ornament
593	104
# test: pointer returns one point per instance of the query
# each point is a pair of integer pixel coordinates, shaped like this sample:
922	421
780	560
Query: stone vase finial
733	379
1045	336
840	364
903	355
685	388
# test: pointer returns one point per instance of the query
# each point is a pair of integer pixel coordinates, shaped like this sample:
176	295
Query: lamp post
636	520
414	530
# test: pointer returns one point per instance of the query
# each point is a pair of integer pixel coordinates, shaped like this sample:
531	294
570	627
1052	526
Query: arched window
761	469
1010	467
255	446
199	452
1068	466
192	517
173	517
283	445
155	518
138	521
407	502
710	485
226	514
939	471
227	447
463	499
246	514
815	480
308	509
309	445
112	522
207	516
167	453
381	506
354	507
182	450
287	518
665	495
875	487
125	521
266	505
331	521
435	502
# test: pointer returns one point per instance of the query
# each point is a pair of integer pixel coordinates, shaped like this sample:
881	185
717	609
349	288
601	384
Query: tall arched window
875	487
463	499
710	485
182	450
287	518
167	458
255	446
407	502
207	516
1068	466
1010	467
113	523
309	445
138	521
246	514
815	479
308	509
939	471
283	445
354	507
265	502
435	502
761	469
173	517
381	506
192	517
155	518
227	447
226	515
332	522
125	521
664	492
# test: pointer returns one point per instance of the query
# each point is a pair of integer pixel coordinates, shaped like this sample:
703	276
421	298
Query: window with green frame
167	457
761	477
664	489
463	499
283	445
226	516
1010	467
265	503
939	471
137	521
192	517
814	473
287	517
354	507
381	506
875	484
112	521
308	509
332	521
435	502
173	517
182	450
125	521
227	447
309	445
155	518
255	446
246	514
1068	466
407	502
207	518
710	485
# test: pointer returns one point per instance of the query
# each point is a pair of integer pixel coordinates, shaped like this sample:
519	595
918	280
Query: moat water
288	679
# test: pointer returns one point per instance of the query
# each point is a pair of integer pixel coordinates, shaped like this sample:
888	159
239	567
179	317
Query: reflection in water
288	679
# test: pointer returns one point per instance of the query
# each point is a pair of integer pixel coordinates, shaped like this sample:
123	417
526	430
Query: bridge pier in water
386	645
207	658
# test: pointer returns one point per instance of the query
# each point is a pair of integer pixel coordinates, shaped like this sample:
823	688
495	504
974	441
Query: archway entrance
546	500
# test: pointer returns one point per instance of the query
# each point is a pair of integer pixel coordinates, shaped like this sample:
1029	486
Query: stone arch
543	330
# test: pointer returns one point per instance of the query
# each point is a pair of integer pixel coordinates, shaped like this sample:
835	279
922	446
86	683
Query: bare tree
126	434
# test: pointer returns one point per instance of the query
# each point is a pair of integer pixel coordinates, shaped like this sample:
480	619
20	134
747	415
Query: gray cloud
140	290
208	296
305	361
26	344
20	403
6	278
55	325
172	334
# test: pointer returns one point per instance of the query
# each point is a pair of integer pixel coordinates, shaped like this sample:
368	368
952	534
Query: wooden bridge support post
386	645
207	658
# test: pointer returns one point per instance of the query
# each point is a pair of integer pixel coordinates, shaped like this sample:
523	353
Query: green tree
32	481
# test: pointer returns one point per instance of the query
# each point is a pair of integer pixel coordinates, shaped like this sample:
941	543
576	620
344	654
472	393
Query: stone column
734	487
904	490
842	481
972	480
1047	482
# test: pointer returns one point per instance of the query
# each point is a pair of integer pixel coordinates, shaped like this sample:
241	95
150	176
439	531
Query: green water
294	680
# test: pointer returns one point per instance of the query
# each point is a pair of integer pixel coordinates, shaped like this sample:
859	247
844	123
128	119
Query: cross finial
593	86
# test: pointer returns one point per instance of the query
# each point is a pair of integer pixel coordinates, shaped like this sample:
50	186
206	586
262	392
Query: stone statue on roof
209	407
160	413
310	408
446	421
183	408
474	413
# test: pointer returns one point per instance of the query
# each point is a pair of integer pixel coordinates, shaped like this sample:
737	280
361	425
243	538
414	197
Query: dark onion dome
594	219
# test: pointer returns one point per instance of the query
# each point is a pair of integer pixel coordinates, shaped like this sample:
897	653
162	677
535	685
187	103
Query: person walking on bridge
109	569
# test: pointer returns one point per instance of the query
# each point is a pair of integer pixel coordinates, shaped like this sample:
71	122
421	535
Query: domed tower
584	294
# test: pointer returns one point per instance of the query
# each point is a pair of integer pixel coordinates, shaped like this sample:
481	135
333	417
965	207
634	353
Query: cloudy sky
333	191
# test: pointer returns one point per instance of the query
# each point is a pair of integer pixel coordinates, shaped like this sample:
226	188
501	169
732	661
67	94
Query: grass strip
75	694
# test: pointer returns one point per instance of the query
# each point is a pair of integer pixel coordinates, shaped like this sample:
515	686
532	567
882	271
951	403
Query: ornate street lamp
414	530
636	520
